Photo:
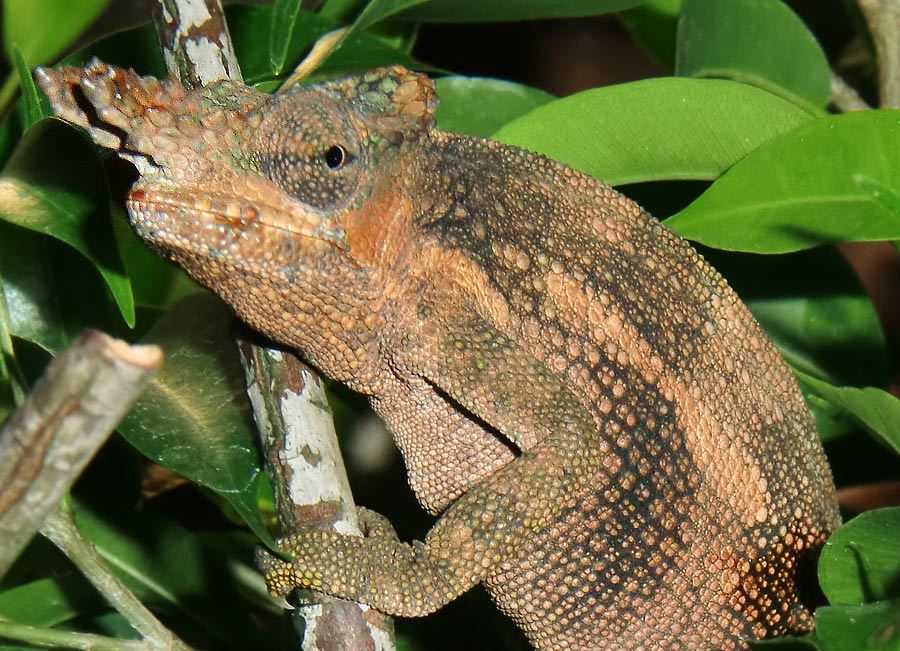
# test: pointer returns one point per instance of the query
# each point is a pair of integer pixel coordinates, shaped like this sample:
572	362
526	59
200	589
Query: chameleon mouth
204	225
160	216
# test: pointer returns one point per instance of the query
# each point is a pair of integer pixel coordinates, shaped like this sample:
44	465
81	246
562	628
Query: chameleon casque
616	450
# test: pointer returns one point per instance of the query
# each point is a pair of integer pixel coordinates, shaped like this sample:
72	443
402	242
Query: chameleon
614	448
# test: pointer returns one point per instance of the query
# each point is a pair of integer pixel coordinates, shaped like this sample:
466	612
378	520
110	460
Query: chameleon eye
336	157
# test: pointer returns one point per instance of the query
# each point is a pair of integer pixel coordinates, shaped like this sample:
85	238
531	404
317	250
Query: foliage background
735	139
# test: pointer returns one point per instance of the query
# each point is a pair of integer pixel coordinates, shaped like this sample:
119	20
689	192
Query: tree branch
49	439
883	20
844	97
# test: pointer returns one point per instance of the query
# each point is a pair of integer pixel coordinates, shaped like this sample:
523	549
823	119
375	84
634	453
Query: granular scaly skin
616	450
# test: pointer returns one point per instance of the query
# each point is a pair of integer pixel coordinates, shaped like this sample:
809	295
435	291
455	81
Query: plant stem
883	20
844	97
60	528
57	639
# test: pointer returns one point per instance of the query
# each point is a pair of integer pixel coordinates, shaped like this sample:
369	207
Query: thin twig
49	439
883	20
325	45
844	96
56	639
61	530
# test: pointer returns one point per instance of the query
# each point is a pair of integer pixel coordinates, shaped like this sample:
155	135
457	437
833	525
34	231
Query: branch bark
49	439
883	20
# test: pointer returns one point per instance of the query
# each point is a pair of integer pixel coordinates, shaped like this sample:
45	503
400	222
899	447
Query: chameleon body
616	450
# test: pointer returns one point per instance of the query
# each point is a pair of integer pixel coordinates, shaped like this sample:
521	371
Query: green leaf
168	567
861	561
654	25
40	29
47	602
359	51
877	410
865	627
478	106
812	186
194	416
341	10
35	104
761	42
655	129
54	184
463	11
378	10
814	308
29	286
284	17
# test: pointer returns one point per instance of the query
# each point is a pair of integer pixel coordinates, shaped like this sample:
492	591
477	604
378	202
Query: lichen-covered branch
49	439
311	490
194	40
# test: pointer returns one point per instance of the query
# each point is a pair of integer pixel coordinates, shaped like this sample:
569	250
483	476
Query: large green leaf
655	129
284	19
861	561
761	42
464	11
34	105
194	416
54	184
29	288
378	10
478	106
47	602
836	179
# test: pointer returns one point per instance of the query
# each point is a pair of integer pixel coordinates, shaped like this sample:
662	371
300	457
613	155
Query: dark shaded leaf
54	184
194	416
464	11
654	25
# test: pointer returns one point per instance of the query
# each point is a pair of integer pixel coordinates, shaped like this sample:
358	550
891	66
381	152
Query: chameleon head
254	194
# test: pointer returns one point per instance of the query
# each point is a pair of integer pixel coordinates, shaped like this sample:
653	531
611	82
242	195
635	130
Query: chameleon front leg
463	548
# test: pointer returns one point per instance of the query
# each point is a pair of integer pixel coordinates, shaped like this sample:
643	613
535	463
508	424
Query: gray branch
61	530
883	20
844	96
195	41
